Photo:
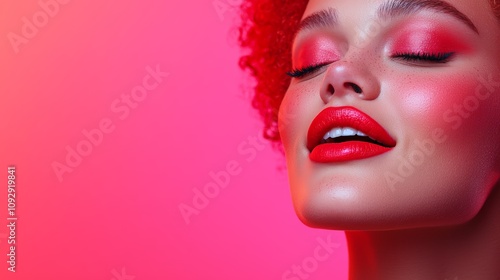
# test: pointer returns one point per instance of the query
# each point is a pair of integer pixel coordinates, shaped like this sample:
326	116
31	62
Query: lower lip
340	152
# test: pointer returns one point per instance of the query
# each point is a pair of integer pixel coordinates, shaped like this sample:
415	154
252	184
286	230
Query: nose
348	78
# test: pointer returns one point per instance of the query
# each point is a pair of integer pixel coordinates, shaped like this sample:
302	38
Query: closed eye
421	57
308	70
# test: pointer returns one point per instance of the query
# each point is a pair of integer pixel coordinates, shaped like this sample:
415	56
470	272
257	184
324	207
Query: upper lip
341	117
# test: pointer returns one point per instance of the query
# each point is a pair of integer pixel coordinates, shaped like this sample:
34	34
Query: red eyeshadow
316	51
425	38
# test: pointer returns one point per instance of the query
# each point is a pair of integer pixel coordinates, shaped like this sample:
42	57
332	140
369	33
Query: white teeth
347	131
342	131
327	135
336	132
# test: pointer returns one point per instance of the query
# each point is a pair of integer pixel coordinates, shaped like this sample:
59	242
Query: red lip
333	117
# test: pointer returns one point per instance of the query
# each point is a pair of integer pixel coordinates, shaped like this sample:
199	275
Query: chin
351	207
317	216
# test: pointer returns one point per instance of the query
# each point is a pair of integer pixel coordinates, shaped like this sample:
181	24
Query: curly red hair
267	31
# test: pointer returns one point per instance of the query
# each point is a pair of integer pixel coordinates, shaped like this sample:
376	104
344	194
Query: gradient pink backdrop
116	215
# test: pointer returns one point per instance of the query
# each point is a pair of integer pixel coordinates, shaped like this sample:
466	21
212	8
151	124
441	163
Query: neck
468	251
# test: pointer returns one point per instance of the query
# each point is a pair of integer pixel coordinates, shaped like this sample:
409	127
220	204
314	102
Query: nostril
330	89
355	87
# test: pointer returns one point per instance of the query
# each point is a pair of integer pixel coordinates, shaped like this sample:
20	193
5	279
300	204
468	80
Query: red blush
317	51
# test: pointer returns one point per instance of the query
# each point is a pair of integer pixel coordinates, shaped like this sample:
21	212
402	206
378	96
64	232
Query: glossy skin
443	115
414	101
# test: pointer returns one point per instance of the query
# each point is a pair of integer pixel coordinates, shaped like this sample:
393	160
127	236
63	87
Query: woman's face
392	118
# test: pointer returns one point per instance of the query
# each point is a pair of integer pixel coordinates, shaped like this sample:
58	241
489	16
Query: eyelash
424	57
301	72
409	57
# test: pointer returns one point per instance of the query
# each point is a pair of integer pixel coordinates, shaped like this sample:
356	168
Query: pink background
116	214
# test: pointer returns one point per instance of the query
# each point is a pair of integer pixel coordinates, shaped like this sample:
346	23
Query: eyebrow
324	18
388	10
395	8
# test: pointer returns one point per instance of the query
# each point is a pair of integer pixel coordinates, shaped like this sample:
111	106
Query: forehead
363	10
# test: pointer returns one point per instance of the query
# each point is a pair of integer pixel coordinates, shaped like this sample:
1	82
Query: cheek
296	112
463	108
455	176
431	103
